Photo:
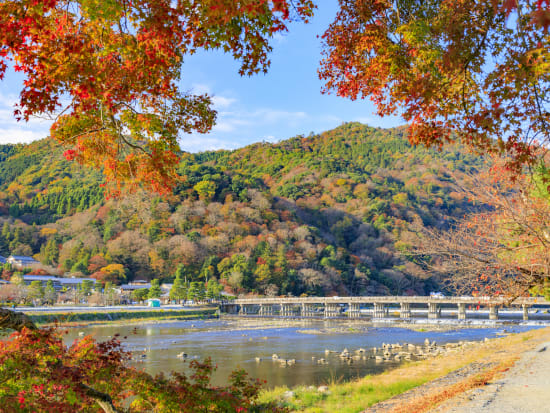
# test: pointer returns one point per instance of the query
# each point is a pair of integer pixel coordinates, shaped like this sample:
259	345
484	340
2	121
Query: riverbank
416	386
101	317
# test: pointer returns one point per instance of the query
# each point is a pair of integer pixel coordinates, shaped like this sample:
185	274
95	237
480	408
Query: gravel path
525	388
433	386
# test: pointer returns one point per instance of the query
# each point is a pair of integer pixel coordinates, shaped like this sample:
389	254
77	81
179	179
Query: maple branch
103	399
17	321
126	141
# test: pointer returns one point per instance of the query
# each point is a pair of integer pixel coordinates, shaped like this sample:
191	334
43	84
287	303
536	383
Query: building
74	282
21	261
128	288
29	278
58	282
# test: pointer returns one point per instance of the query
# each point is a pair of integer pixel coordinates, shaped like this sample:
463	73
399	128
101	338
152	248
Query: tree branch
15	321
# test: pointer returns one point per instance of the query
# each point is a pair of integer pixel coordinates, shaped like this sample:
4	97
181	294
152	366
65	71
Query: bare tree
504	247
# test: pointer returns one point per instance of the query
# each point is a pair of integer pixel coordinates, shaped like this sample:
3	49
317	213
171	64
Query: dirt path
525	388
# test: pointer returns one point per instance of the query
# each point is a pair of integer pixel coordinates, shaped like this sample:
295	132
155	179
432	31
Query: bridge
377	307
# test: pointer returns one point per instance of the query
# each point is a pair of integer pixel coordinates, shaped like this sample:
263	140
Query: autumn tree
108	72
501	249
474	71
41	373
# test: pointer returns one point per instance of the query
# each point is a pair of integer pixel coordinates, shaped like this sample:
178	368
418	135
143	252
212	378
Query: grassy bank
497	354
91	316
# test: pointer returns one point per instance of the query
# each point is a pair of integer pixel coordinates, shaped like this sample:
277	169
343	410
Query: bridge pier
243	309
405	310
354	310
525	309
287	310
266	310
493	312
461	311
307	310
433	310
379	310
331	310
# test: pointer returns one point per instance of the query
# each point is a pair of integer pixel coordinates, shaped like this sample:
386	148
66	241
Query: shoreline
117	317
417	386
421	325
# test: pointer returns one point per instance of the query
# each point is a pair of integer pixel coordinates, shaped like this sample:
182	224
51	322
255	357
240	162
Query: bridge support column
286	310
493	312
243	310
310	310
525	312
331	310
261	310
379	310
433	310
306	310
353	310
405	310
328	310
461	311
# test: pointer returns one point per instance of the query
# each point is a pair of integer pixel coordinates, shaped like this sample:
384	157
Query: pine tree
154	291
36	291
50	295
178	291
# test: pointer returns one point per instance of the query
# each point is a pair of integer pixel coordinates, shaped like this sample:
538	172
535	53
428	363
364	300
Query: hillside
323	214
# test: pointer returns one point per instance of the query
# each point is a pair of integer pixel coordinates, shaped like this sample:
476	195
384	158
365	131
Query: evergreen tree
154	291
50	252
178	291
196	291
213	289
36	291
86	287
6	234
109	293
50	295
140	295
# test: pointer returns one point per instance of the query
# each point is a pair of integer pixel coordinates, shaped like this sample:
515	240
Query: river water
236	343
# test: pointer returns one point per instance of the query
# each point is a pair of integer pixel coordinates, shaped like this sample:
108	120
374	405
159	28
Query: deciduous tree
470	70
504	247
40	373
108	72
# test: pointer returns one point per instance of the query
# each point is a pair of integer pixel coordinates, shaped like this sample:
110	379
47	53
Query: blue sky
284	103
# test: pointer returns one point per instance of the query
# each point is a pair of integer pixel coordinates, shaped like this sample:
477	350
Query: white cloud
222	101
197	143
200	89
12	131
20	135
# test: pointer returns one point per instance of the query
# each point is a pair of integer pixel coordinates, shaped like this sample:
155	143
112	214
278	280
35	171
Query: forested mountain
323	214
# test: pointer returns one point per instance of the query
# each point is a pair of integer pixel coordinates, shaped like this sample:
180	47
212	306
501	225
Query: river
236	343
